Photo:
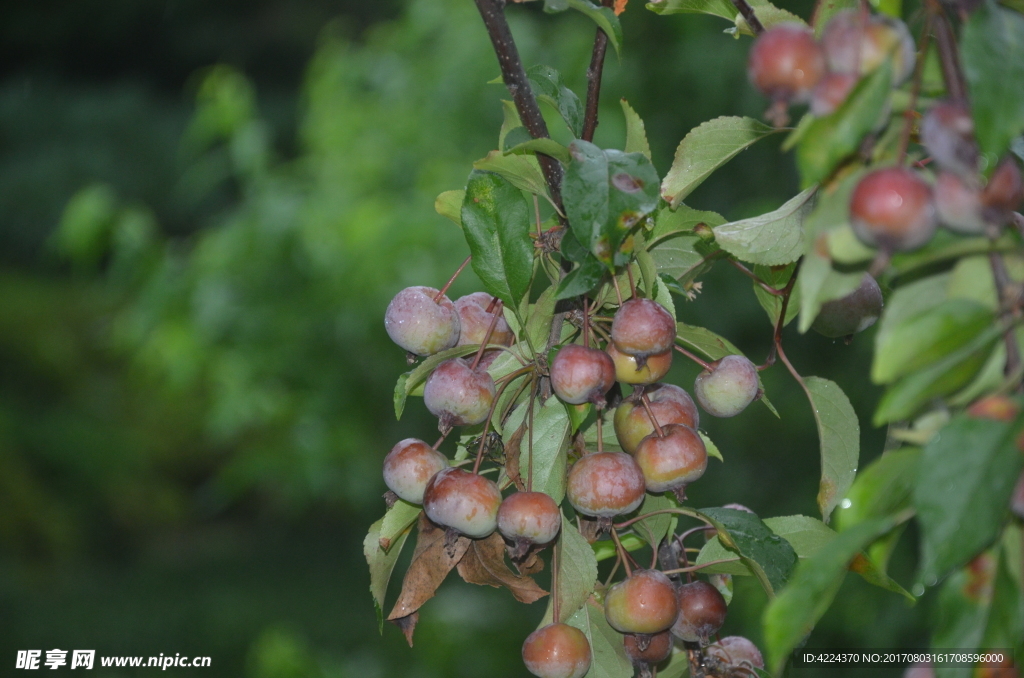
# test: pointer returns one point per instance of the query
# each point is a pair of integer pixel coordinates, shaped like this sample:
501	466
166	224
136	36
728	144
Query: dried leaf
484	564
620	6
512	453
532	565
407	624
431	563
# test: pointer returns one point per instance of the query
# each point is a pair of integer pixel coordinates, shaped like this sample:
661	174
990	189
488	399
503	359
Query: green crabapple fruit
669	404
672	461
851	314
736	652
581	375
419	324
466	502
605	484
557	651
958	204
642	603
702	611
659	647
408	467
858	43
475	319
643	327
785	62
728	387
531	517
947	131
458	395
892	208
629	369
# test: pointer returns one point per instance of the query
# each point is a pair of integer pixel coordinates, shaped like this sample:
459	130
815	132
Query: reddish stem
622	551
647	406
908	115
703	363
487	337
448	284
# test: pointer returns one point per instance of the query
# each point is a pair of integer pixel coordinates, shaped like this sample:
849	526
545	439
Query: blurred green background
204	210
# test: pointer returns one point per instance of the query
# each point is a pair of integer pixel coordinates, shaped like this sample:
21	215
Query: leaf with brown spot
430	564
484	564
407	624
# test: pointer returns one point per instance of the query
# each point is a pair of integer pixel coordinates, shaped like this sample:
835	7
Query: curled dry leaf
484	564
407	624
532	565
512	452
431	563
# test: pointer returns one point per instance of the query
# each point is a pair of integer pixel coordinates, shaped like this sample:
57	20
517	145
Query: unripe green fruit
958	205
557	651
463	501
702	611
475	319
643	327
728	387
529	516
420	325
605	484
659	647
457	395
736	652
785	62
858	43
853	313
643	603
408	467
580	374
892	208
669	405
672	461
628	372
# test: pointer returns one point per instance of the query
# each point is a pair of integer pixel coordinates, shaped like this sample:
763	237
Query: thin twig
703	363
448	284
694	568
908	115
787	293
555	602
487	337
625	555
650	414
487	425
632	283
756	27
594	73
618	292
949	58
1003	284
529	442
677	511
753	276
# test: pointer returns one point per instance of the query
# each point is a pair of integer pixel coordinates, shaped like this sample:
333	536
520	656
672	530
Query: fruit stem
692	530
756	27
650	414
586	323
622	552
632	283
600	433
1003	284
615	568
618	292
441	439
594	73
678	511
487	337
703	363
602	333
753	276
529	442
695	568
908	115
487	425
787	292
949	60
443	290
556	612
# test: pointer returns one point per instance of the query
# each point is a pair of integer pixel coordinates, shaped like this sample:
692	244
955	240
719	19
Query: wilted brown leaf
532	565
484	563
407	624
430	564
620	6
512	452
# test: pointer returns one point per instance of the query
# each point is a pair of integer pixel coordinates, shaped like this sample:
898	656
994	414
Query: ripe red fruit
629	371
702	611
532	517
728	387
580	374
958	204
605	484
669	405
420	325
643	327
947	131
831	91
408	467
736	652
892	208
475	319
463	501
853	313
672	461
1003	193
643	603
785	62
557	651
856	42
458	395
659	647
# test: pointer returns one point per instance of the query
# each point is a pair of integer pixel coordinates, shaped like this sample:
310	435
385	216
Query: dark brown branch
748	13
514	75
594	73
1003	285
949	57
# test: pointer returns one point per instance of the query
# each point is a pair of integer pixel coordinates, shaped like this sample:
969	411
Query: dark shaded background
204	209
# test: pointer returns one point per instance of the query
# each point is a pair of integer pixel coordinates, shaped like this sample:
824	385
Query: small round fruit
659	647
408	467
463	501
958	205
947	131
529	516
458	395
419	324
628	371
728	387
702	611
1003	193
669	405
858	43
785	62
581	375
475	319
672	461
643	327
831	91
643	603
892	208
557	651
851	314
736	652
605	484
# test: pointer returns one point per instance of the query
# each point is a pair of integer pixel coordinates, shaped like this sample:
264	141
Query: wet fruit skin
736	651
672	461
656	367
658	650
458	395
702	611
859	43
958	204
785	62
643	327
420	325
892	208
580	374
474	319
643	603
947	131
533	516
669	404
408	467
605	484
853	313
464	501
727	389
557	651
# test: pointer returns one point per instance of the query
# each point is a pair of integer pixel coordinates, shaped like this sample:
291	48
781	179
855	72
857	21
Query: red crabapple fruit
581	375
958	204
851	314
642	603
947	131
526	518
629	369
728	387
892	208
475	319
858	43
672	461
830	92
458	395
643	327
605	484
785	63
669	405
463	501
408	467
659	647
702	611
419	324
736	652
557	651
1003	193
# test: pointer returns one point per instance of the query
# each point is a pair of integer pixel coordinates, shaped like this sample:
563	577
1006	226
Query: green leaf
581	279
606	193
522	171
966	477
806	535
382	564
605	549
636	133
834	137
792	615
767	13
683	219
771	239
449	204
396	521
712	449
538	325
542	145
514	137
926	337
706	148
409	381
839	435
496	221
655	528
776	278
605	19
510	120
548	86
767	555
909	301
993	58
551	430
963	610
577	570
608	655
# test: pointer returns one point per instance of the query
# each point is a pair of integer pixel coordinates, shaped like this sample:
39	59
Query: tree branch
1003	285
594	73
949	57
748	13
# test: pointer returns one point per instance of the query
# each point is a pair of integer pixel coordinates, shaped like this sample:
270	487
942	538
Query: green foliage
577	571
839	433
768	556
771	239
